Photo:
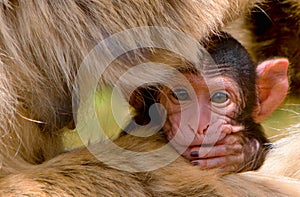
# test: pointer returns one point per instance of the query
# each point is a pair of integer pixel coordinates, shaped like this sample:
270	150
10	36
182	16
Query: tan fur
79	173
286	151
43	43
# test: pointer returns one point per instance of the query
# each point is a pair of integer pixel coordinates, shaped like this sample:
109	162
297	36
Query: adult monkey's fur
272	28
44	42
42	45
79	173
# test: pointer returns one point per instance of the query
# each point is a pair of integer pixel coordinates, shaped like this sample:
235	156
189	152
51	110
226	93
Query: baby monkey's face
199	110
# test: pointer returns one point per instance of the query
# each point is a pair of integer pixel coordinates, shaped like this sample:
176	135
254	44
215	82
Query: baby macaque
212	117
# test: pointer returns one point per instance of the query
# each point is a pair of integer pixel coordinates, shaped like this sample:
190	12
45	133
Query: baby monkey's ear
272	86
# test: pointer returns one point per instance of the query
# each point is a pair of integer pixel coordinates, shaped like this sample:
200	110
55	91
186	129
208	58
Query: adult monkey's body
105	170
42	45
79	173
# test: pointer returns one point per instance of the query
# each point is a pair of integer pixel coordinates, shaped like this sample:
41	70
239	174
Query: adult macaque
217	115
104	170
43	44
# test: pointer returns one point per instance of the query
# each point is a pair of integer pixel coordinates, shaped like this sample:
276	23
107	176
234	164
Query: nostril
199	130
205	129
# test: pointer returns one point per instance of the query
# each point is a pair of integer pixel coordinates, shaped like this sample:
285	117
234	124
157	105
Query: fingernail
195	163
194	154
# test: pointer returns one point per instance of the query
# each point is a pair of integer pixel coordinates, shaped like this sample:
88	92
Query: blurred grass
285	116
106	117
275	126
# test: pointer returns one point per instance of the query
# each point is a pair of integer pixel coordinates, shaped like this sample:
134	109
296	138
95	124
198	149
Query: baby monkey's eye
219	97
181	94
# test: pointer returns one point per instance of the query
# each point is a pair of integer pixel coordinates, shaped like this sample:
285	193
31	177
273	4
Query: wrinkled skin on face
201	116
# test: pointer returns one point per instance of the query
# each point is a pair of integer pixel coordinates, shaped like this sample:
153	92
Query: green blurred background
275	126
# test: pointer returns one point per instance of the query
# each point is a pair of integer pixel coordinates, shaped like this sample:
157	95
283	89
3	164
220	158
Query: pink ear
272	84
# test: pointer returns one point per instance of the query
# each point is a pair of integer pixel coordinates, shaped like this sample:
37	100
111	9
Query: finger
231	139
228	128
220	162
252	145
218	134
215	151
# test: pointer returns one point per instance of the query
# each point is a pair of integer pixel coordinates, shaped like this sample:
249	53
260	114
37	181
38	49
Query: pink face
200	112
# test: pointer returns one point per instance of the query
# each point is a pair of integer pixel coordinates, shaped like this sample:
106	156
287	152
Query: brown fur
272	29
79	173
43	43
